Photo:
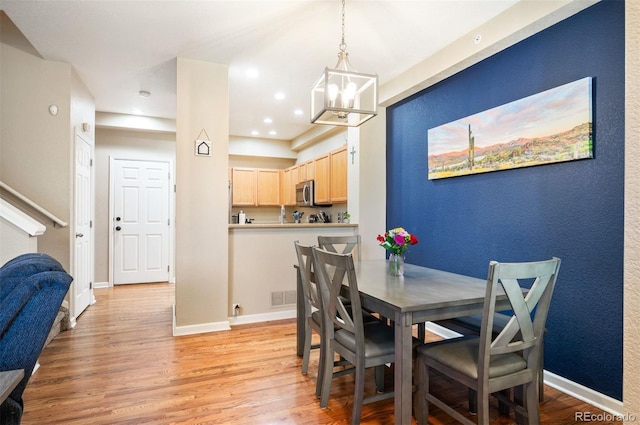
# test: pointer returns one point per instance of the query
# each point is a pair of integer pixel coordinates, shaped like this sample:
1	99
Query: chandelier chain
343	45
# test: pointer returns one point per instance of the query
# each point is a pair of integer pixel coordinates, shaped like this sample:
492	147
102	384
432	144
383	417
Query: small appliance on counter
323	217
297	215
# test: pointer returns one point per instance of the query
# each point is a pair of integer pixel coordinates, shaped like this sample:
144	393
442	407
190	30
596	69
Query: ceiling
119	48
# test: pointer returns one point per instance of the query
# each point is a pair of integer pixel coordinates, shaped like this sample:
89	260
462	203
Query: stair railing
35	206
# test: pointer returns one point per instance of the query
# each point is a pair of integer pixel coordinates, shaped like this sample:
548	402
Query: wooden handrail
33	205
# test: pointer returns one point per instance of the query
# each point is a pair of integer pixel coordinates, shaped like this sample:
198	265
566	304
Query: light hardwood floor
121	365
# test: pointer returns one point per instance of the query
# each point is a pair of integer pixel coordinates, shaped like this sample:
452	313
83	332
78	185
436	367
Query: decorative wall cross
353	152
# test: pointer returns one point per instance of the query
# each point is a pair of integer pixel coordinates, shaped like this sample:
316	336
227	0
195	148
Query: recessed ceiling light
273	132
298	112
268	120
136	112
252	73
279	95
144	93
255	133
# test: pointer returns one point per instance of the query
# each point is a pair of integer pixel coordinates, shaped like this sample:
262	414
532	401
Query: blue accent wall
572	210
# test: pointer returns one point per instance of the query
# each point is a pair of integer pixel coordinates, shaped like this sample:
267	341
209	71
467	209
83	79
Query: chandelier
342	95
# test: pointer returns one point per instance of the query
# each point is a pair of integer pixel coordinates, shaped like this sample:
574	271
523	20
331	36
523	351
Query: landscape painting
551	126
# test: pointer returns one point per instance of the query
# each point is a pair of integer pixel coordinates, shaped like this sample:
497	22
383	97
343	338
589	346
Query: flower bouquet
397	241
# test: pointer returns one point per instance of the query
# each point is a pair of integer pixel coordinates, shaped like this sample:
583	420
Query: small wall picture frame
203	147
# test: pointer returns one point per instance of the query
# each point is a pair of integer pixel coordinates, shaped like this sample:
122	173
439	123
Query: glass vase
396	265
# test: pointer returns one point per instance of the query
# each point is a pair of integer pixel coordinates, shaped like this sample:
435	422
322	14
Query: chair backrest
331	269
341	244
525	329
309	287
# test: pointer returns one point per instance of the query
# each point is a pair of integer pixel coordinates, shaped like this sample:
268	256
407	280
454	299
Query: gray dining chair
471	326
313	316
351	244
364	345
341	244
490	364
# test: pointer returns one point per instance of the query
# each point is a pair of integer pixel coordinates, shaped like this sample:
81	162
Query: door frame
171	203
73	313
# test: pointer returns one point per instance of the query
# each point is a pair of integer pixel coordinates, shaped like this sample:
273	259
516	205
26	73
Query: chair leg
518	398
326	375
532	403
321	367
379	376
358	395
422	331
483	407
473	401
503	408
420	404
541	375
306	351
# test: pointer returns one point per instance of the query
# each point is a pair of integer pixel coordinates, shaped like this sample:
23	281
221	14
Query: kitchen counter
262	279
289	225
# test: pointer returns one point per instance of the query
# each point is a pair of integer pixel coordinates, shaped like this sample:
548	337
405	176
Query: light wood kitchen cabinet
289	181
243	182
322	165
268	187
255	187
310	170
302	172
338	191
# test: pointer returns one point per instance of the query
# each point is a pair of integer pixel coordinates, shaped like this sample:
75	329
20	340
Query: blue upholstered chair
32	288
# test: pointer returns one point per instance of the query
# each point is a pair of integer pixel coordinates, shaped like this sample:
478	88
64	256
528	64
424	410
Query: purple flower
399	239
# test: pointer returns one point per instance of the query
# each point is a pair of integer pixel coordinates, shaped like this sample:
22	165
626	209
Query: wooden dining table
421	295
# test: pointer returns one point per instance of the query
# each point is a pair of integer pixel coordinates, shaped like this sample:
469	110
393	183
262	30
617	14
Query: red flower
414	240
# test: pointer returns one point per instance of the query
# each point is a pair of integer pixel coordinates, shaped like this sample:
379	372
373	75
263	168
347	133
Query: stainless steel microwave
305	194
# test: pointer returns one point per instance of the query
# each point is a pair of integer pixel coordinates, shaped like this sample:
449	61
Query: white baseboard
199	328
264	317
100	285
594	398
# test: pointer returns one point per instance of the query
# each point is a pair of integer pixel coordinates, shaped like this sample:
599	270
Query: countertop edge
289	225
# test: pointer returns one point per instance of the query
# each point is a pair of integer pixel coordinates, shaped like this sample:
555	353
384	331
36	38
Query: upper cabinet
264	187
268	187
322	165
330	175
255	187
338	186
243	184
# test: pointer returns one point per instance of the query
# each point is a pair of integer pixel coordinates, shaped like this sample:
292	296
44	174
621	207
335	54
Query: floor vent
282	298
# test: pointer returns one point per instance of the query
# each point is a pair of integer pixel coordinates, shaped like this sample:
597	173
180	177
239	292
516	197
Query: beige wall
631	384
123	144
261	262
35	147
371	211
202	260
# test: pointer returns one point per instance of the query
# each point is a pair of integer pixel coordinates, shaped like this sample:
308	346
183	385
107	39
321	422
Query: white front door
140	221
82	291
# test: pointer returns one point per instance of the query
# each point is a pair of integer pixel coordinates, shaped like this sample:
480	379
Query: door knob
79	235
118	228
118	218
